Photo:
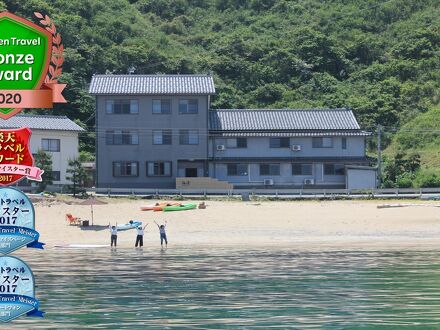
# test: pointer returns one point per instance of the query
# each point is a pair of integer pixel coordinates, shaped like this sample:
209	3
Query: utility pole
379	155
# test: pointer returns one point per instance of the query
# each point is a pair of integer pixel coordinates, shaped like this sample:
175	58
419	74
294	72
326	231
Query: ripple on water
228	288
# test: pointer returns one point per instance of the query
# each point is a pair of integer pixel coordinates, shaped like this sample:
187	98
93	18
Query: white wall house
57	135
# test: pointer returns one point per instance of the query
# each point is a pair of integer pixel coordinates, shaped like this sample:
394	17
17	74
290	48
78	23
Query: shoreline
323	224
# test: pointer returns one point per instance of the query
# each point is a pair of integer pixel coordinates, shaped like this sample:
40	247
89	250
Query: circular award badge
17	290
17	221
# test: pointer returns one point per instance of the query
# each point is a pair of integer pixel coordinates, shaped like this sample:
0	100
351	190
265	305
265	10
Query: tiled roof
294	134
43	122
152	85
282	120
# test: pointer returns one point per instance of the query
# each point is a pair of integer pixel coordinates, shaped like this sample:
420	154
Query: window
241	143
52	145
269	169
236	143
162	107
344	143
334	169
279	143
188	137
322	142
55	175
158	168
237	169
301	169
125	169
188	106
122	107
162	137
121	137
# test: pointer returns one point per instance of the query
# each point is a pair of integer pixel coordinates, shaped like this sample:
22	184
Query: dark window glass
241	143
344	143
122	107
188	106
125	169
159	168
121	137
279	142
188	137
237	169
321	142
162	106
163	137
167	136
269	169
334	169
56	175
301	169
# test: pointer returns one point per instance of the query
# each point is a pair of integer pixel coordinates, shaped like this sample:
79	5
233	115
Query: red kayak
158	206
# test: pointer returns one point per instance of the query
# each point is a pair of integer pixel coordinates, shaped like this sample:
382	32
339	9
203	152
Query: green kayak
182	207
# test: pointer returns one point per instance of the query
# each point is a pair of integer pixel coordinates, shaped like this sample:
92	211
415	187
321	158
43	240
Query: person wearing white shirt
140	236
113	234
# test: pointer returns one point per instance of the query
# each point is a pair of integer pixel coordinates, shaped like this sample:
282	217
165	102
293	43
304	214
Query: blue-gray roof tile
282	120
152	85
43	122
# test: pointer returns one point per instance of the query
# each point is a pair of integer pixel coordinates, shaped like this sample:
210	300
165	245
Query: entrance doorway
191	172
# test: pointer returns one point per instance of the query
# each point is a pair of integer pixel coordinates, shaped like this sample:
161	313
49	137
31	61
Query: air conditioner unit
268	182
296	147
309	181
221	147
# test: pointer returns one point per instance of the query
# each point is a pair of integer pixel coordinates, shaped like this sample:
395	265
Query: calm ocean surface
229	289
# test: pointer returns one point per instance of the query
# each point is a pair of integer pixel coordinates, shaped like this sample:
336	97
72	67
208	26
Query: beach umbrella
92	201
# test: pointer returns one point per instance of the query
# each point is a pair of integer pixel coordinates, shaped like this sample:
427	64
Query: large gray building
152	129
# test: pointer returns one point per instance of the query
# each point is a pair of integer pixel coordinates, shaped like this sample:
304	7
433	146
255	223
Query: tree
43	160
401	170
77	175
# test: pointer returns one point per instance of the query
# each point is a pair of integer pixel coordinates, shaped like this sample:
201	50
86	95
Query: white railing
298	193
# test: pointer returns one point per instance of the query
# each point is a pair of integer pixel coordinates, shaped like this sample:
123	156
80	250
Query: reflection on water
224	288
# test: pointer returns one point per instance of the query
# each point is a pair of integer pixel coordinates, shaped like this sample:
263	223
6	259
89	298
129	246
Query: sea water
220	288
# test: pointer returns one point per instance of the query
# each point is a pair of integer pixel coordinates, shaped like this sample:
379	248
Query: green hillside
380	58
417	141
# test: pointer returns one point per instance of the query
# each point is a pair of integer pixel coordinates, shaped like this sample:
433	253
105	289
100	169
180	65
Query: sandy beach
347	224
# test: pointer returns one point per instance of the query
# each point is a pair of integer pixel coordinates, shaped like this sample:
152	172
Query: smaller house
57	135
288	148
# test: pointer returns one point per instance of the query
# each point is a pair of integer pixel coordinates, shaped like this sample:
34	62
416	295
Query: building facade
285	148
153	129
56	135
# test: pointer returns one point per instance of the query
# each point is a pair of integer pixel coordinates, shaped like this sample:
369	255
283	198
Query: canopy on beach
92	201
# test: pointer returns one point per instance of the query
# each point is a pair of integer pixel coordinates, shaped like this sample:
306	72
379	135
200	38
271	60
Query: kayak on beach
129	225
158	206
181	207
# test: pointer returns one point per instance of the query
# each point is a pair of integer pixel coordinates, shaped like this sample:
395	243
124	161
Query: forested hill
378	57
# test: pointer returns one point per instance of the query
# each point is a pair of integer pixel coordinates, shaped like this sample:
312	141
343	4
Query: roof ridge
153	75
43	116
286	109
42	122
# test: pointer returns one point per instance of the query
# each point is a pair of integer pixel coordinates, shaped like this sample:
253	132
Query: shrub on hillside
427	178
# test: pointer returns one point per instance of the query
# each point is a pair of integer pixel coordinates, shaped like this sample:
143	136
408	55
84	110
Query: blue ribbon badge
17	290
17	221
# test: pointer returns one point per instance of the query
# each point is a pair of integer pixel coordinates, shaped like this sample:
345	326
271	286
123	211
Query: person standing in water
140	236
113	233
163	234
